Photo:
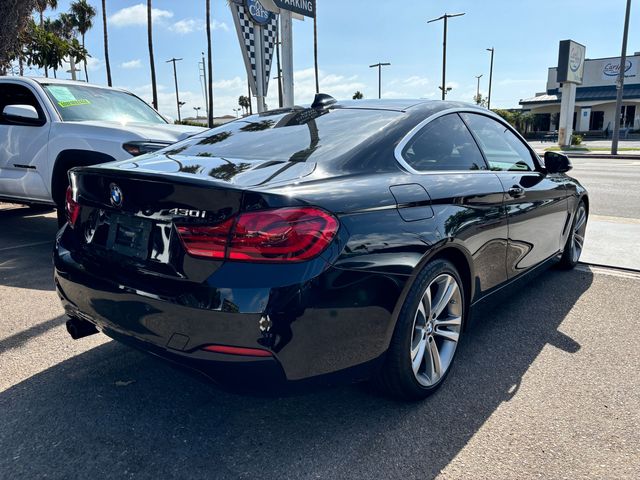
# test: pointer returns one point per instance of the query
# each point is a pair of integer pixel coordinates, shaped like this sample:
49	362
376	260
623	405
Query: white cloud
94	64
136	15
189	25
131	64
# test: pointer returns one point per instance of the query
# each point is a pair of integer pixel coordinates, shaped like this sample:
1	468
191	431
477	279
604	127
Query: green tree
42	5
83	14
358	95
244	102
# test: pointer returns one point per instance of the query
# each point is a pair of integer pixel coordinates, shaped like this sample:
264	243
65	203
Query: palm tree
154	90
83	13
210	65
358	95
42	5
315	50
106	41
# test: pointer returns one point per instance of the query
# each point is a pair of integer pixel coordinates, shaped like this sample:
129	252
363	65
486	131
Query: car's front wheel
575	242
426	338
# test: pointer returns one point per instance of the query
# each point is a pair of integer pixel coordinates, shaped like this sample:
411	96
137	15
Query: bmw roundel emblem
115	195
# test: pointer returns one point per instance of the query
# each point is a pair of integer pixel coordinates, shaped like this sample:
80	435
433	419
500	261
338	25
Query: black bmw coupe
346	239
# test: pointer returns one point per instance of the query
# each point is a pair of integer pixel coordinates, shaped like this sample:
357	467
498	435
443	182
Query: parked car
48	126
342	240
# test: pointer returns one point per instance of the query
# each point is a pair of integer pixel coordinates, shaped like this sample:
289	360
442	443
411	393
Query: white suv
48	126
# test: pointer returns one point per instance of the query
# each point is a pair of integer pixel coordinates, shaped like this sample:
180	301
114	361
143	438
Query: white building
595	98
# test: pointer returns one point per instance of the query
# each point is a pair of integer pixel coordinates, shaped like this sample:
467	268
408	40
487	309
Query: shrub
576	140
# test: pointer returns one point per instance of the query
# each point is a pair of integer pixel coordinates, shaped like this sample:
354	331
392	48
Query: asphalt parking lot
546	385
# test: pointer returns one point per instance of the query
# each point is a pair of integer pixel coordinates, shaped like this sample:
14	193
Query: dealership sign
257	12
612	69
571	56
306	8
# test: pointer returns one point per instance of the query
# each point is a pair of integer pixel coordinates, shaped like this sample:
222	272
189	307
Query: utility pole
279	76
175	79
379	66
620	82
202	67
492	50
478	77
444	17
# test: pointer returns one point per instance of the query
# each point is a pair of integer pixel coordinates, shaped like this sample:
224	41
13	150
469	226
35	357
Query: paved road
545	386
612	184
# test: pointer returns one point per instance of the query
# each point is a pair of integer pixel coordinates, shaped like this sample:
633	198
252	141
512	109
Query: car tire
575	241
427	334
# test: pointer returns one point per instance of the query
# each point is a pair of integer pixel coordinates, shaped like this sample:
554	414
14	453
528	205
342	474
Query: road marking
35	244
612	271
623	220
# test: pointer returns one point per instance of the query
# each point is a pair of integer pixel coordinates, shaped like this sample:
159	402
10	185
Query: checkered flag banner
259	45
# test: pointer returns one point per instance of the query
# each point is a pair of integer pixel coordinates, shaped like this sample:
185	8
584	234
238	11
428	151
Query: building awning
586	94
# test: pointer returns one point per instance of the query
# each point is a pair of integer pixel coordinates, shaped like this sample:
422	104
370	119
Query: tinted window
13	94
443	144
298	136
502	148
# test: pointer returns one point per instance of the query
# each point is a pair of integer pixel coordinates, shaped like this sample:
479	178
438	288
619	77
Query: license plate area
129	236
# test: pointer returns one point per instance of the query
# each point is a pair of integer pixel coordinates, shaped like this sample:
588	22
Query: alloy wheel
436	329
579	229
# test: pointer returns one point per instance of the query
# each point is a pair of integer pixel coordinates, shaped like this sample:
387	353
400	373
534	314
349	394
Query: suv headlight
140	148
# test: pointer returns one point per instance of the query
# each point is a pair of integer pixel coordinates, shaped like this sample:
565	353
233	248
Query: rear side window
443	144
502	148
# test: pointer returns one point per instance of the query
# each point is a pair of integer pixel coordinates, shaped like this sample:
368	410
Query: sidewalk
612	242
595	148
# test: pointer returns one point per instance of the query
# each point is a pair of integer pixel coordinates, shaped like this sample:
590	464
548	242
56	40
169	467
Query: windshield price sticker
74	103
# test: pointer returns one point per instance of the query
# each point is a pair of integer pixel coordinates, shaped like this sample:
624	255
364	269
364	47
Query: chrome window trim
470	109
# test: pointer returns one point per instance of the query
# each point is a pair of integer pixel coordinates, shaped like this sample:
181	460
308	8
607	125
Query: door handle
516	191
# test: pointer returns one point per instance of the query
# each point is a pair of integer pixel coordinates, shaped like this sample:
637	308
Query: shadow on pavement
74	421
26	243
21	338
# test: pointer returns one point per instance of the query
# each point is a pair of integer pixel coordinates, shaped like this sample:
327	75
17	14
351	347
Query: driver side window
502	148
13	94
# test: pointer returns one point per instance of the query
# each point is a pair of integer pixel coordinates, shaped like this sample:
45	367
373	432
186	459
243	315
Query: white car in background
48	126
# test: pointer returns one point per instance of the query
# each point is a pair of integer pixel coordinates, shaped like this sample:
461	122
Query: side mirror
22	115
556	162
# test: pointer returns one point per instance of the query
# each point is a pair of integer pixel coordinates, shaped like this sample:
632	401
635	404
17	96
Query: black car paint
328	314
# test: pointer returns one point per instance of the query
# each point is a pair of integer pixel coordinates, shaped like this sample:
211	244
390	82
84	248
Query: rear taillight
71	207
280	235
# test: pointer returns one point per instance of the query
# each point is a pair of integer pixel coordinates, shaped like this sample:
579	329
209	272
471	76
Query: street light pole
444	17
478	77
379	65
175	79
492	50
197	109
620	83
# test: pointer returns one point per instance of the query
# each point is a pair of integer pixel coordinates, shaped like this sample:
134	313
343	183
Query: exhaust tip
78	328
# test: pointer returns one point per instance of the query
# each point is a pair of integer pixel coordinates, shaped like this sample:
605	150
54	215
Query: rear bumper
338	322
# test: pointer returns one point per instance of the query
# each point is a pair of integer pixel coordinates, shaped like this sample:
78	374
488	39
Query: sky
353	34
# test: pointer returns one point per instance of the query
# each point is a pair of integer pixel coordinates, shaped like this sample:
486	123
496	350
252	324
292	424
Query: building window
627	116
597	120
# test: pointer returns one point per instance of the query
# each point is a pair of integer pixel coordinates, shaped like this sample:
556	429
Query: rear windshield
298	136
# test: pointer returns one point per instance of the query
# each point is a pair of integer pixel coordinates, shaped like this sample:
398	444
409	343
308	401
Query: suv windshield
76	103
297	136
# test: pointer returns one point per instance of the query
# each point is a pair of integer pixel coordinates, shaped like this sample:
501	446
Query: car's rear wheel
427	334
575	242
